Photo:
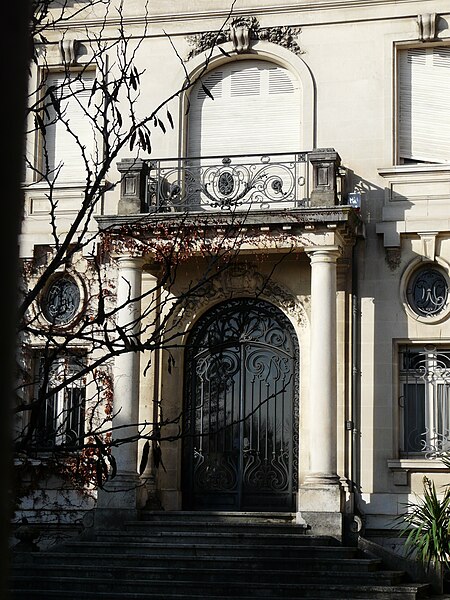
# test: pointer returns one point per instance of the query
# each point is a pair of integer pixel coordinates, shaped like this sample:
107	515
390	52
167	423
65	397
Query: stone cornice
303	216
416	169
293	228
298	7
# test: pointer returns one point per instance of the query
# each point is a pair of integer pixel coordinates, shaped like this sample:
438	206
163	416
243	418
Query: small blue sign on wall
354	199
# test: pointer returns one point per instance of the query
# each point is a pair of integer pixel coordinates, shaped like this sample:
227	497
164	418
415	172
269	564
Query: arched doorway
240	446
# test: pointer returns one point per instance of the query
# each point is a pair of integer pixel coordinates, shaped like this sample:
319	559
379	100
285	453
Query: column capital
324	253
128	261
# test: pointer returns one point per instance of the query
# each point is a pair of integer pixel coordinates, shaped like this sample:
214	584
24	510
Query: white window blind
424	104
63	150
256	109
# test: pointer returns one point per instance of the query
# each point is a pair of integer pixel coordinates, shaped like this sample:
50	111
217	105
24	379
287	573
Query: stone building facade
313	374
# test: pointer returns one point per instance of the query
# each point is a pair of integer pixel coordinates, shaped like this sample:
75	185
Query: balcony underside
274	231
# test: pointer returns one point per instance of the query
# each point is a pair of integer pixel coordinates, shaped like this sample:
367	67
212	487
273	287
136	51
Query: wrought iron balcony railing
228	183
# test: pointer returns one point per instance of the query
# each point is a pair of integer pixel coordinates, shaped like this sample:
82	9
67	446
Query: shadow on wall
379	319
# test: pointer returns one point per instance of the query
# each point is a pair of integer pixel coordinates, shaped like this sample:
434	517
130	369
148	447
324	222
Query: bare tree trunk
16	48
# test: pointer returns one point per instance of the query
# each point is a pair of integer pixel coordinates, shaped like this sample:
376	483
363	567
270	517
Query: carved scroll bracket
68	49
393	257
427	26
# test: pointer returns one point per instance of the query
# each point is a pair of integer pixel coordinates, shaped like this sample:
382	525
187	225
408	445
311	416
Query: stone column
320	493
149	386
121	492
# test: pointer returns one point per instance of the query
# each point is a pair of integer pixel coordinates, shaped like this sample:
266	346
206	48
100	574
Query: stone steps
210	575
84	560
209	537
163	547
213	556
211	530
220	517
312	592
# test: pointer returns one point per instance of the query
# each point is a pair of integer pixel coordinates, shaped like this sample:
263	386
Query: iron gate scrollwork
241	410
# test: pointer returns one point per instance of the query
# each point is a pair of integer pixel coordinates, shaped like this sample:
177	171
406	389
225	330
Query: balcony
223	184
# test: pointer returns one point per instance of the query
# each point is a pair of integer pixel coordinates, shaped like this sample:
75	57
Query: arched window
255	109
244	139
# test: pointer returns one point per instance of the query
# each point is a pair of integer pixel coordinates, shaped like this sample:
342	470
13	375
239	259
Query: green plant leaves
426	526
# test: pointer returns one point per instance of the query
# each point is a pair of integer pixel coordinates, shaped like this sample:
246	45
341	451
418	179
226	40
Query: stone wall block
325	163
132	192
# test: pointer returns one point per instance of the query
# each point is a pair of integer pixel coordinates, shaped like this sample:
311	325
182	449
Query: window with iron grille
61	413
424	399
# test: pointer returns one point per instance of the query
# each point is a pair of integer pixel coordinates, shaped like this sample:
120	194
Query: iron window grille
61	301
424	400
427	292
61	416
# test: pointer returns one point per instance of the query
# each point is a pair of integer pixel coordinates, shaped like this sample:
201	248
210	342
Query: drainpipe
355	387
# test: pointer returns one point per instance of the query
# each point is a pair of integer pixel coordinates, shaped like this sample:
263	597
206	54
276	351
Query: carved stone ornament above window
241	32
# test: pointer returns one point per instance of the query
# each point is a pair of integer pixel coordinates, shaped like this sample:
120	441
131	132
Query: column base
321	506
121	492
118	500
323	523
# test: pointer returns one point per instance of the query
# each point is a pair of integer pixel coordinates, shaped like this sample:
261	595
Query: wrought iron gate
240	420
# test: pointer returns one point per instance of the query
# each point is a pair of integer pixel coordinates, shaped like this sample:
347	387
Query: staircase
207	555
